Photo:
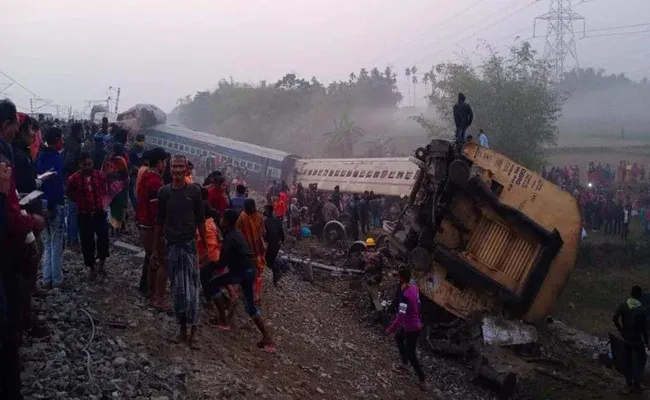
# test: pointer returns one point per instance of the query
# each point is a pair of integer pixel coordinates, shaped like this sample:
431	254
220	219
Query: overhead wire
516	11
616	34
619	27
412	40
20	85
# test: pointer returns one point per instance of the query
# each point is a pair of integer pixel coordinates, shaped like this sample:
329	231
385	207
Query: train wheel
345	219
357	247
420	153
420	259
459	173
333	232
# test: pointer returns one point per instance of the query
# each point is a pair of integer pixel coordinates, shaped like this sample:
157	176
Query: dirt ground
330	345
327	349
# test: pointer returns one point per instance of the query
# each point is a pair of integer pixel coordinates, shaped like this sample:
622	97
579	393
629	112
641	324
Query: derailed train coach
487	235
262	164
391	176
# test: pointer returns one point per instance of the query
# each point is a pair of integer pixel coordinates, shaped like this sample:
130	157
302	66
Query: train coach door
288	165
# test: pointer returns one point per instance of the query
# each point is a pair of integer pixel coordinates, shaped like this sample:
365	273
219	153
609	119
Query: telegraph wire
20	85
412	40
619	27
616	34
518	10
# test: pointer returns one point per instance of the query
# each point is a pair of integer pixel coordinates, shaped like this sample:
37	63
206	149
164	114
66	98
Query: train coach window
331	173
409	175
362	174
325	172
176	146
376	174
355	174
384	174
348	174
400	175
391	175
310	172
258	167
337	173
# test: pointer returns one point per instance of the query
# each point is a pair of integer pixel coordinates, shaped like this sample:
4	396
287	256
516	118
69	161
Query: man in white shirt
482	139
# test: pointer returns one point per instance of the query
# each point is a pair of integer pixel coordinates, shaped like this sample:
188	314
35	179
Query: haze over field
70	51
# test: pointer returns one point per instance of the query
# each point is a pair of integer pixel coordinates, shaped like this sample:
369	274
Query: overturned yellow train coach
490	235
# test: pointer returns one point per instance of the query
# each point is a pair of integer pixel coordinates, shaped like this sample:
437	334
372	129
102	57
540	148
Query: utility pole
560	37
117	99
112	89
31	105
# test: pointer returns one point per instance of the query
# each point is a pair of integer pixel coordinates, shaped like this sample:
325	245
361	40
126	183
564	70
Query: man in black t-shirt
630	320
180	214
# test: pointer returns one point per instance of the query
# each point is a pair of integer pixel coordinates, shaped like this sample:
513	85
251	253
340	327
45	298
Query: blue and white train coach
262	164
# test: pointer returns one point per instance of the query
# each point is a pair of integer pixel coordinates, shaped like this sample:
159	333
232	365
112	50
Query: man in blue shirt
237	202
482	139
53	193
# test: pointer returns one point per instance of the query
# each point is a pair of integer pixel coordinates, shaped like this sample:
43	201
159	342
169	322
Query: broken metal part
309	263
504	383
357	247
501	332
420	260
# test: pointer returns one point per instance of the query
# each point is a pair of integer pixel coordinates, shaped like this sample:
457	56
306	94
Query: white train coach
392	176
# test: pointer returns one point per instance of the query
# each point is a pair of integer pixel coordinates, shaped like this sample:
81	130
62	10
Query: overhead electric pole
112	89
560	36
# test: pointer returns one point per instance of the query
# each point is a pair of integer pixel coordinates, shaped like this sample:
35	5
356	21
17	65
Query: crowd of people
611	199
202	246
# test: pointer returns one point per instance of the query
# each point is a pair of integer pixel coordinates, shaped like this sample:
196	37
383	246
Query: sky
70	51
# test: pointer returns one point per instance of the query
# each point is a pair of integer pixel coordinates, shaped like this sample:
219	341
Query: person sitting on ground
238	258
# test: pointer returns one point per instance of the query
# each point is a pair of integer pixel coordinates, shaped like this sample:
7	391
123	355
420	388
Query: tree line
514	98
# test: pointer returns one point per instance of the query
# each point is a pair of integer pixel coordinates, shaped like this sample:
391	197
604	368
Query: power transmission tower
560	36
110	91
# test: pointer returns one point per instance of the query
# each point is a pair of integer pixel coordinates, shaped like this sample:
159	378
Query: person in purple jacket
408	324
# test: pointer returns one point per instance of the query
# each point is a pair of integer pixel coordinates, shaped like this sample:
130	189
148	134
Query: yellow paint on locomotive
499	250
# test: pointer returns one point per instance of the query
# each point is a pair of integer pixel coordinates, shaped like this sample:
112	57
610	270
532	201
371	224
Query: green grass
607	269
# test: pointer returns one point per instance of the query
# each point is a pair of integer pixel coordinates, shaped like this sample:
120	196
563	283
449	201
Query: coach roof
209	138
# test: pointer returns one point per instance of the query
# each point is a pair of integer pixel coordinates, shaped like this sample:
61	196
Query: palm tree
425	79
414	70
343	137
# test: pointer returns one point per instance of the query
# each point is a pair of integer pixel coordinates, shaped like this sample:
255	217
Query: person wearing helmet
373	263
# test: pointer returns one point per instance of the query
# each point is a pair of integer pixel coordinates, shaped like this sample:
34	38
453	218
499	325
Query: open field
607	268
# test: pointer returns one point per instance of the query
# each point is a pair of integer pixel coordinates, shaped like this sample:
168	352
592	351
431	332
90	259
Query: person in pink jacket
408	325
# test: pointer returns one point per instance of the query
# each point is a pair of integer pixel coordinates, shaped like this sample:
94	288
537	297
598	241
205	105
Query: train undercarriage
491	245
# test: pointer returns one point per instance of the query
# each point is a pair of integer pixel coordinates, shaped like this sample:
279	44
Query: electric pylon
560	36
